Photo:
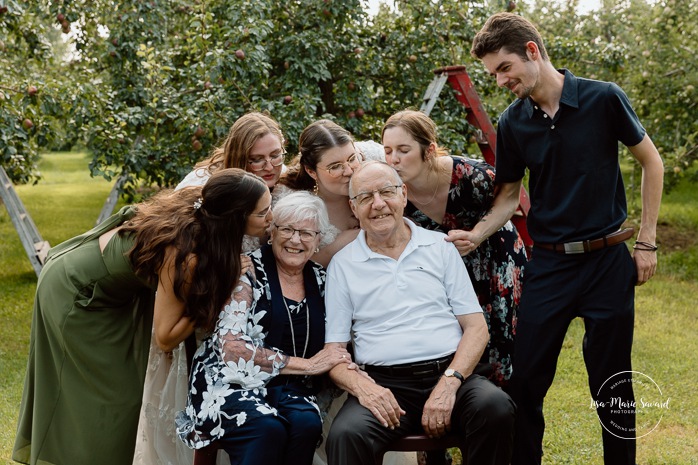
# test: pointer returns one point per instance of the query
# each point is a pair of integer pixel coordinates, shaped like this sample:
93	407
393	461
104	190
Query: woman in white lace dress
255	143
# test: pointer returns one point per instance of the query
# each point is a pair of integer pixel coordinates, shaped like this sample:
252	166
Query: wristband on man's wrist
645	246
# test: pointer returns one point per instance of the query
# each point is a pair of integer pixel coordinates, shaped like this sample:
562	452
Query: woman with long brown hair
170	263
254	143
255	379
327	159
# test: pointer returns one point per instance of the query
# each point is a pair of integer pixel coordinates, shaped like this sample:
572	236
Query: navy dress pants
287	439
599	287
483	413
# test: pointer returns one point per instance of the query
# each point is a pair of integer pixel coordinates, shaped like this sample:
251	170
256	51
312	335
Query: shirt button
545	115
552	127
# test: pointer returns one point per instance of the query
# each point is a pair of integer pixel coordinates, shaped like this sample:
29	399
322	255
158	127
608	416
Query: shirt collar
361	252
569	97
570	92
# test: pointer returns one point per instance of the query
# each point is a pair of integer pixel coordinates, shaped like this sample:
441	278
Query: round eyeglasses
258	164
385	193
337	169
287	232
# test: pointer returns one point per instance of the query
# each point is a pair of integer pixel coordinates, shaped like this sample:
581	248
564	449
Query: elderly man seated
397	292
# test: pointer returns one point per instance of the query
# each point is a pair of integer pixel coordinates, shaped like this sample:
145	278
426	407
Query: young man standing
565	130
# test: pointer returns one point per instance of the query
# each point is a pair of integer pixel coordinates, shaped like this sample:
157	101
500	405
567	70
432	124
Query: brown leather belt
617	237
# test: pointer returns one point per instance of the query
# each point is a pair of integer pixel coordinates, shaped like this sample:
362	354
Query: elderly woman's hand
327	358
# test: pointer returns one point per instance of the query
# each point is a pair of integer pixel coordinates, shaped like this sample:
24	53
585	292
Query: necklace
433	196
439	172
293	333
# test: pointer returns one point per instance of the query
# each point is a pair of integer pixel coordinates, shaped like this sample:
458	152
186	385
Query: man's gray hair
393	173
300	206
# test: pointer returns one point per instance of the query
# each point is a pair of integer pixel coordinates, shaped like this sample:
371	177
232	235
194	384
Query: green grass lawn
67	202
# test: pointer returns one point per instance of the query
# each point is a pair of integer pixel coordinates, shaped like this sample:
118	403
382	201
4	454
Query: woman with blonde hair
255	143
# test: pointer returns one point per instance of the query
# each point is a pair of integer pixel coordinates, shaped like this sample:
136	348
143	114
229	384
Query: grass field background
68	201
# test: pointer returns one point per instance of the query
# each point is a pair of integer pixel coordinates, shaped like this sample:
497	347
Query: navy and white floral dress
495	268
235	374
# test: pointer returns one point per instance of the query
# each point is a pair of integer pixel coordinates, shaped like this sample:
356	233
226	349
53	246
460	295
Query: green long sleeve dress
87	355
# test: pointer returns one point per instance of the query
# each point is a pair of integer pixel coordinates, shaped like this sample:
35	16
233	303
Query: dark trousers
483	413
599	287
287	439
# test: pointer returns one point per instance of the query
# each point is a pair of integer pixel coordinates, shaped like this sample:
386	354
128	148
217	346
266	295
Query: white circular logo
627	393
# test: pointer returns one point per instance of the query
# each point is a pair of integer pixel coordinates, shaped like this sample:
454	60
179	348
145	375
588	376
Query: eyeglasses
263	214
258	164
337	169
287	232
385	193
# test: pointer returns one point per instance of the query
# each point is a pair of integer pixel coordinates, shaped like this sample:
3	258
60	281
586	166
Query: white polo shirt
400	311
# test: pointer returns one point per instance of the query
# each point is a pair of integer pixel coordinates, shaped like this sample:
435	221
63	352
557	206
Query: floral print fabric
232	367
495	268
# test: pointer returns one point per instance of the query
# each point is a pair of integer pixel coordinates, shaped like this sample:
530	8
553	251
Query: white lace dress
166	387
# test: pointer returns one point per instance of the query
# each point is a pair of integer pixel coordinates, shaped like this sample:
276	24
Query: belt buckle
428	371
574	247
424	368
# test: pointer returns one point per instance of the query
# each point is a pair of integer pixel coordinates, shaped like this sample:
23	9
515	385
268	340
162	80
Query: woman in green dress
170	263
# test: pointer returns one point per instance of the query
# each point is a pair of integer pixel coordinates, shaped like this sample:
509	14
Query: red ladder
486	136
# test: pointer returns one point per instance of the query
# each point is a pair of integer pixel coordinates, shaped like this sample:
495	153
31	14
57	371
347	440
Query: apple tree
33	101
151	86
648	49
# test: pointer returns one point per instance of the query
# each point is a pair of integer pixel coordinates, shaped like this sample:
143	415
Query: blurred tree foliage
151	86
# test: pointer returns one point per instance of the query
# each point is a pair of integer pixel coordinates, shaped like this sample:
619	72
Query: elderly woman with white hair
252	384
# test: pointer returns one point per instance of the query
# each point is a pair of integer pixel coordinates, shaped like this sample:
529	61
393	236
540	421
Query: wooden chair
206	455
421	442
411	443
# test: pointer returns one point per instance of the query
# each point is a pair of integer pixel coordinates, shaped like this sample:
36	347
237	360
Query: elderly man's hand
436	416
380	402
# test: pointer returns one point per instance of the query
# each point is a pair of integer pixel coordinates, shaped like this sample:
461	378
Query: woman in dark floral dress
451	194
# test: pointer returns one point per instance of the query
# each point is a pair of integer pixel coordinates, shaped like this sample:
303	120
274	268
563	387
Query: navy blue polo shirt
575	183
